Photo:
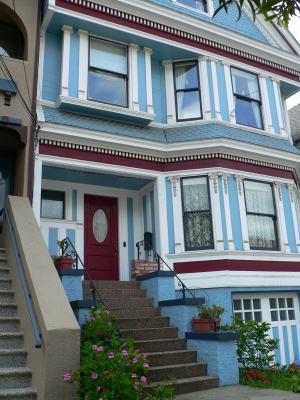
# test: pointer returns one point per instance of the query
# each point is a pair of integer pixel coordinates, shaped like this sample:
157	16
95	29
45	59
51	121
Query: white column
37	188
213	63
266	110
293	200
243	214
230	99
287	121
67	30
133	78
205	94
278	101
281	226
161	221
41	64
216	211
177	214
227	212
83	64
148	53
170	96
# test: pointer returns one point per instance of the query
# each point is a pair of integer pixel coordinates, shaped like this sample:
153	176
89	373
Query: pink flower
111	354
68	375
94	347
134	360
124	353
143	379
100	348
133	375
146	365
94	375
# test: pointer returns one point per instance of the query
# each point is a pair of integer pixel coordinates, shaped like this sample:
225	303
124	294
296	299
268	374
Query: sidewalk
240	392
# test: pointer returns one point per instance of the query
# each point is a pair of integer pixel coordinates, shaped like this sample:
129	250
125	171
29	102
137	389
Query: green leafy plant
63	246
210	312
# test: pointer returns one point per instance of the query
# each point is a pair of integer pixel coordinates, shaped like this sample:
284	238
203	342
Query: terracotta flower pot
203	325
62	263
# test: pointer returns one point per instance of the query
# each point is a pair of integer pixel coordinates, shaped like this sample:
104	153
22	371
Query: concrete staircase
170	361
15	378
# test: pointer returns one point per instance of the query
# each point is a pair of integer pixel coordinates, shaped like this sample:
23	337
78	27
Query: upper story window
197	220
199	5
187	91
11	41
261	215
108	69
247	98
53	204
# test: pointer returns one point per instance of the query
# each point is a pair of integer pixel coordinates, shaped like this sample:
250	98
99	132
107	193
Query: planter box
203	325
62	263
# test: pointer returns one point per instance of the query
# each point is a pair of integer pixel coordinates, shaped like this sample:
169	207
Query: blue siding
295	342
52	241
159	91
142	81
286	345
52	66
74	205
288	218
235	213
170	217
272	102
153	218
275	333
211	89
222	91
145	213
130	225
74	65
70	233
222	209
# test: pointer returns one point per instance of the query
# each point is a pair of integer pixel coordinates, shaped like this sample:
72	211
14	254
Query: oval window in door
100	225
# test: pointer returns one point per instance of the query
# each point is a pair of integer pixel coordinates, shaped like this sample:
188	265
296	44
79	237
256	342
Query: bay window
247	98
197	220
108	70
261	215
187	91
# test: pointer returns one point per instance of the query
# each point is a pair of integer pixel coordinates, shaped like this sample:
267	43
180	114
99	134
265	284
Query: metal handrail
24	284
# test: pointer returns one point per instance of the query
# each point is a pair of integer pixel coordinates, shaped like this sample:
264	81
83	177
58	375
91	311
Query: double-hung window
199	5
187	91
261	215
53	204
108	70
247	98
197	220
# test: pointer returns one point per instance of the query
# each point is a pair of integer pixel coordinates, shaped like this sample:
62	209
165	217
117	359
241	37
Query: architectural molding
170	96
148	74
133	74
65	63
174	181
83	65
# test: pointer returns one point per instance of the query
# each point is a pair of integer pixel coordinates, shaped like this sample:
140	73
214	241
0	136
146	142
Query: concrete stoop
15	378
171	364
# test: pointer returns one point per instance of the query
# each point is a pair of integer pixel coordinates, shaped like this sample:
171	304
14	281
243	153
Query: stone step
9	324
11	340
113	284
136	323
15	378
153	346
150	333
4	272
172	357
7	296
116	293
3	261
18	394
8	309
139	312
5	283
189	385
12	358
177	371
134	302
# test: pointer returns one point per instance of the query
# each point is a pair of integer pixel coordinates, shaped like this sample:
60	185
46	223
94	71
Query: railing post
183	291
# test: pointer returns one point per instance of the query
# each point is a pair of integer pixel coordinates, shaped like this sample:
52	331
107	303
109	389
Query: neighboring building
294	118
157	118
19	45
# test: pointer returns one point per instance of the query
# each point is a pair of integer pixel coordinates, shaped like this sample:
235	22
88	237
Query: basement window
53	204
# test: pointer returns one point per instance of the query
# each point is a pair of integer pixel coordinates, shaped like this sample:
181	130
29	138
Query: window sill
103	110
213	254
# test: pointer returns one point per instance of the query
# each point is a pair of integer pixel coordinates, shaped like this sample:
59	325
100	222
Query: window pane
273	303
52	204
281	303
259	197
245	84
195	194
107	88
291	314
248	316
282	314
238	315
197	4
274	315
197	230
186	76
257	316
188	105
237	304
261	232
248	113
256	304
108	56
290	302
247	304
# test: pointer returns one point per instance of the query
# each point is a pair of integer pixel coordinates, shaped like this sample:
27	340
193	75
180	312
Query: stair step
3	260
11	340
151	346
139	312
19	394
150	333
9	324
5	283
134	302
11	378
172	357
12	358
113	284
188	385
4	272
136	323
7	296
8	309
177	371
117	293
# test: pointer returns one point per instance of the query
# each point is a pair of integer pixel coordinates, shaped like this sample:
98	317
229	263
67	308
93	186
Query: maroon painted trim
236	265
162	166
155	31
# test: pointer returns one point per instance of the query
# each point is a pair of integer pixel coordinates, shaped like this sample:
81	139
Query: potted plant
209	318
64	260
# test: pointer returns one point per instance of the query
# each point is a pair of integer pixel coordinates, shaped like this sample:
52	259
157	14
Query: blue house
156	117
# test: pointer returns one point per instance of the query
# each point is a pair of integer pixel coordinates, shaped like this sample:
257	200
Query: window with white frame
108	72
199	5
197	219
247	98
187	91
248	309
261	215
52	204
282	309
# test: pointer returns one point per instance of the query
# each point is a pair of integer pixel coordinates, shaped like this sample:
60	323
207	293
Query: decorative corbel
214	179
239	180
225	180
291	188
277	186
173	180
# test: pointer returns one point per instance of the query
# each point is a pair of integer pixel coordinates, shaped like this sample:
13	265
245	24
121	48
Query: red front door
101	237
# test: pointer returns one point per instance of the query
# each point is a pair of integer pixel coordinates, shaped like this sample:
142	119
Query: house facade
156	117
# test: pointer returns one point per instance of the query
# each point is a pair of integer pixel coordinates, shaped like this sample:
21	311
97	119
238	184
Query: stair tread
184	380
146	329
170	352
158	340
15	371
26	390
10	319
177	365
11	334
8	304
7	291
14	351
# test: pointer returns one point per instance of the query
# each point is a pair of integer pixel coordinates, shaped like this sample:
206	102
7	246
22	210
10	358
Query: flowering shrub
111	369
